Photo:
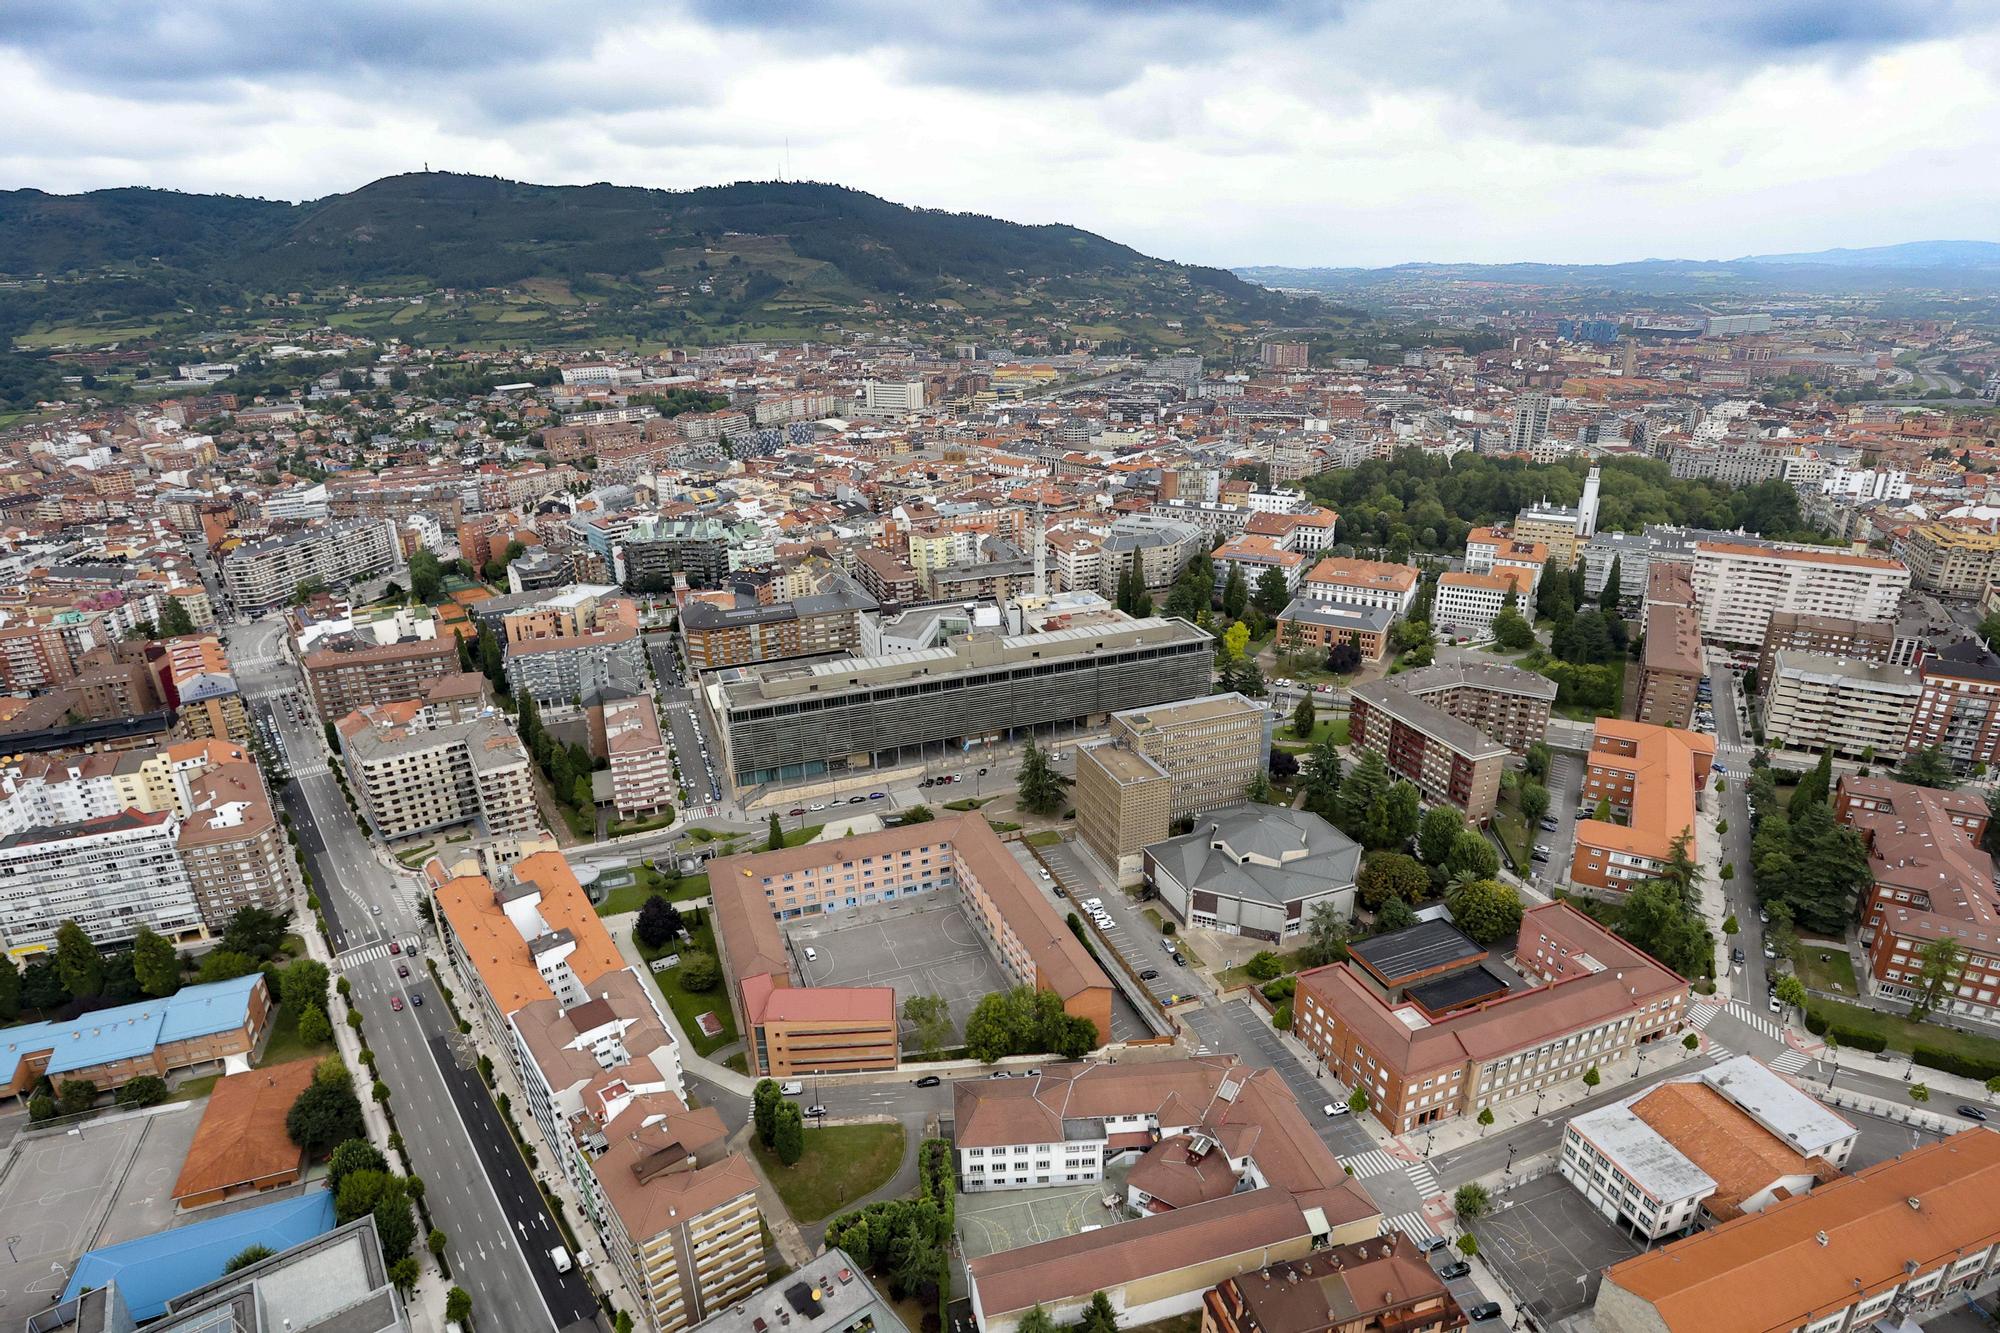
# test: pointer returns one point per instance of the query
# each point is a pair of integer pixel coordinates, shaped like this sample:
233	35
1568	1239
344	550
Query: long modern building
341	680
784	722
111	875
413	778
1449	729
1163	764
1859	710
1738	586
264	574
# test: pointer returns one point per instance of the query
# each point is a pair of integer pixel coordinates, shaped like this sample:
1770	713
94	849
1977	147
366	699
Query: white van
560	1258
812	954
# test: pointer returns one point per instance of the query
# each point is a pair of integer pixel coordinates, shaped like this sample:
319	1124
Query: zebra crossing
368	953
1790	1062
1374	1162
1701	1014
1764	1023
1425	1178
1413	1225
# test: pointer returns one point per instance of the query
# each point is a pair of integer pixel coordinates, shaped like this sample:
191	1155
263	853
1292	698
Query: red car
396	1003
395	946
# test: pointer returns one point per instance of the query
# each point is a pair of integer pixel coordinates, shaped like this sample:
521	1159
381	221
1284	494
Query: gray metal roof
1261	853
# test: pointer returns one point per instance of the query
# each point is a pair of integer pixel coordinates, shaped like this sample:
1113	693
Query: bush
41	1106
1166	927
1281	1018
699	971
1954	1062
76	1095
1281	989
145	1090
1264	965
1815	1024
1855	1039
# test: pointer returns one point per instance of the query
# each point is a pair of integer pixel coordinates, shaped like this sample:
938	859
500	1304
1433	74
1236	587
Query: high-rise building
1165	763
1958	710
1738	586
412	777
1284	355
342	679
1950	559
1449	729
1824	636
265	574
1531	422
1859	710
110	875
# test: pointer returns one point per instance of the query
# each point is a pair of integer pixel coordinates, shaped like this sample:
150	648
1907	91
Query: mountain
1910	254
740	259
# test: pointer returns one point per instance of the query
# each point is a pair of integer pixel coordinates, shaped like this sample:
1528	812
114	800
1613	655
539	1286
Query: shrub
1264	965
41	1106
1815	1024
146	1090
1281	989
1953	1062
1281	1018
1856	1039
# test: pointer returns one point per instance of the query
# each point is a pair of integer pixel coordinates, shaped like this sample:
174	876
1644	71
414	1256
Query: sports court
920	948
1009	1219
1550	1245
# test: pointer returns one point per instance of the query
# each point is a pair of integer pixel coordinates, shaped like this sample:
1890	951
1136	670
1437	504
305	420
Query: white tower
1586	508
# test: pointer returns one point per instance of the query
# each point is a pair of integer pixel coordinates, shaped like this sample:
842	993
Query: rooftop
831	1293
242	1136
1416	950
156	1269
1261	853
127	1031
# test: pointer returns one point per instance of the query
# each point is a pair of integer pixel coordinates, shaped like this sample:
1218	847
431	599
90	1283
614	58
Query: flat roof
1643	1153
1424	947
1343	615
829	1292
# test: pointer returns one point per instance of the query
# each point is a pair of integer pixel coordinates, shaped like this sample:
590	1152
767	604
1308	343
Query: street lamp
1510	1161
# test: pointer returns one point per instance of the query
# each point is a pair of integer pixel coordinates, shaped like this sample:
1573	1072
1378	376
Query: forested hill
752	253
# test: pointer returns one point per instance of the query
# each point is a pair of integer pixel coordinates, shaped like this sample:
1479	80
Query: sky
1232	132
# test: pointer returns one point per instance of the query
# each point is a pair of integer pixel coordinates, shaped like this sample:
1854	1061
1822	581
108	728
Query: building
1257	870
1465	604
1124	803
1364	583
833	1294
1226	1174
412	778
1696	1152
342	679
1284	355
1859	710
1449	729
813	626
556	643
1308	623
642	767
232	846
891	397
111	875
1630	551
1930	879
241	1147
1897	1241
1530	424
194	1027
1670	667
1739	586
1430	1025
1254	555
1497	551
785	722
1958	709
1651	777
258	576
203	690
1166	763
1824	636
1564	530
1950	559
1384	1285
793	1030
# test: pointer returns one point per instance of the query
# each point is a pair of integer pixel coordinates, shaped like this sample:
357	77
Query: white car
1333	1109
812	954
1093	903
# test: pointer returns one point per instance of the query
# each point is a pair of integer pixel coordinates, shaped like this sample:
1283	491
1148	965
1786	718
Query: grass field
841	1163
284	1045
1836	974
1335	727
1048	837
647	824
689	1005
645	883
1902	1034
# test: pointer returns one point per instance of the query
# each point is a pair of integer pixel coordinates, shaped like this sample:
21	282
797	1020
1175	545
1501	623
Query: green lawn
1514	833
1836	974
969	803
284	1045
842	1163
1335	727
1047	837
195	1089
1902	1034
620	827
688	1005
646	882
1238	976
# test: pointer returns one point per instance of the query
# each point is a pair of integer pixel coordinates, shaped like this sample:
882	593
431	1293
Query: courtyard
1550	1246
926	946
990	1222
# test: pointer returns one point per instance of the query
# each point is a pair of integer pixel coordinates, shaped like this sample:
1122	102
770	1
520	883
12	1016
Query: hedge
1953	1062
1856	1039
1815	1024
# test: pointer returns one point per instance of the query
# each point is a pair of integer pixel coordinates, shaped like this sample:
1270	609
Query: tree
42	985
1304	718
155	963
1656	920
774	837
403	1276
1386	875
788	1135
1471	858
1928	768
1395	914
1813	787
1920	1093
332	1071
1468	1245
1790	990
457	1305
1343	658
918	814
10	990
315	1029
1690	1041
254	931
1039	788
1512	631
1485	909
351	1156
426	576
249	1254
1360	791
78	962
435	1243
1036	1320
303	983
1614	586
76	1095
933	1021
1258	790
1591	1078
1937	974
324	1115
224	965
1235	593
1485	1120
1321	777
1282	764
699	971
1098	1316
1534	801
1326	936
1357	1101
659	921
1471	1202
765	1099
145	1090
1439	828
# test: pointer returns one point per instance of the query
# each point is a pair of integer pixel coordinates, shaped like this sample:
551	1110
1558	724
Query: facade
1951	560
1165	763
1958	710
1670	667
1363	583
1254	555
1855	709
862	712
1428	1040
1381	1286
195	1026
1652	777
260	575
207	701
1124	803
1738	586
1891	1244
1497	551
1257	870
411	778
642	767
1308	623
1466	603
1930	880
342	680
110	875
1824	636
553	646
232	846
1449	729
812	626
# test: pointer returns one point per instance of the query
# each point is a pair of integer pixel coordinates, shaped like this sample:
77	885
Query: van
792	1089
560	1258
812	954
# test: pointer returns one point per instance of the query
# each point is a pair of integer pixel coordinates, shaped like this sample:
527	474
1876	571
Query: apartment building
111	875
342	679
1670	667
1859	710
1930	879
683	1225
232	846
1958	709
1422	1022
1253	555
1950	559
820	624
554	642
1161	547
1738	586
201	685
1895	1243
885	578
1364	583
413	778
1310	624
1497	551
1378	1286
802	1029
1465	604
1449	729
791	721
260	575
642	767
1165	763
1824	636
1652	777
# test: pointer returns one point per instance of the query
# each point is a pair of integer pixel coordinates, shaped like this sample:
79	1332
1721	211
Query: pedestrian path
1716	1051
1413	1225
1425	1178
1700	1014
1790	1062
1764	1023
1373	1163
368	953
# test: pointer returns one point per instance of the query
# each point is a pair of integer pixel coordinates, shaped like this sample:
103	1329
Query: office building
343	678
1363	583
642	767
260	575
1165	763
817	625
1958	709
1652	778
1670	667
1430	1025
412	778
1824	636
1859	710
1699	1151
1310	625
1930	879
1892	1243
785	722
1739	586
1256	870
1950	559
1465	604
1449	729
891	397
1497	551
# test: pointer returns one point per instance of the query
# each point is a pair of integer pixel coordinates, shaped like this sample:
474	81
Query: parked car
815	1112
1178	960
1150	974
1549	824
1484	1311
878	795
1333	1109
1454	1270
812	954
1971	1112
796	810
792	1089
1431	1244
999	1073
857	800
929	1081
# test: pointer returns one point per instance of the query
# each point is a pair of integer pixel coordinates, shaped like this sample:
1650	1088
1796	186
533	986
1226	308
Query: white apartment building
264	574
110	875
642	768
892	397
601	372
1278	502
1737	586
1859	710
1467	603
1363	583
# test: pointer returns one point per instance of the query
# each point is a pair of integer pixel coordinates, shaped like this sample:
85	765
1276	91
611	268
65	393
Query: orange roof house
241	1146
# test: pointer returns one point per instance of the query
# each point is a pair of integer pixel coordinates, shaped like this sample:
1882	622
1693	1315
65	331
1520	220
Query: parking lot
1550	1246
1009	1219
1130	934
926	946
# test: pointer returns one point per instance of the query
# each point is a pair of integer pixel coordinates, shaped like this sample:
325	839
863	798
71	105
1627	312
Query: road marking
1373	1163
1790	1062
1424	1177
1413	1225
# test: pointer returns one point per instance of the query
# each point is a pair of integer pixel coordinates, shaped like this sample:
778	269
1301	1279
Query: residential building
111	875
1897	1241
1449	729
232	846
833	1293
1824	636
1530	424
1930	879
813	626
1669	588
1670	667
1257	870
411	778
1433	1027
1630	551
1162	547
1465	604
260	575
1384	1285
1497	551
792	1030
1652	778
1699	1151
1859	710
1738	586
1958	709
1253	556
1310	624
1284	355
555	643
1364	583
203	689
1164	763
885	578
784	722
1951	559
642	767
891	397
1563	529
341	679
195	1026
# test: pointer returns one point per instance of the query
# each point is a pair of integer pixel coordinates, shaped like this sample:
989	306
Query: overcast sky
1237	132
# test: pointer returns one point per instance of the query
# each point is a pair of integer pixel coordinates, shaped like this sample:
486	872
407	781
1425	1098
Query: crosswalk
1764	1023
1791	1062
1412	1225
1374	1162
1701	1014
368	953
1425	1178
